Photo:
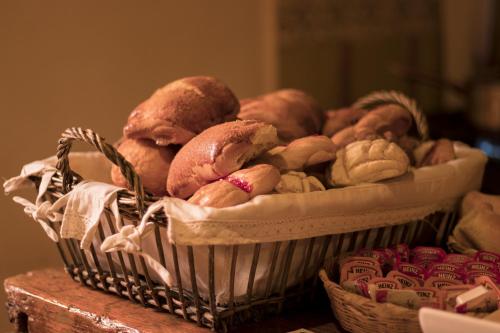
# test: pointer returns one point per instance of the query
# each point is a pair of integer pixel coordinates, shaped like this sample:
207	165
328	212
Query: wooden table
50	301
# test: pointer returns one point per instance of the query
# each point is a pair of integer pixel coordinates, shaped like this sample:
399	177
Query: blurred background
89	63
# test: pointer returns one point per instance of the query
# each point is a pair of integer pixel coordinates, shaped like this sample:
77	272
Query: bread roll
150	162
298	182
391	121
238	187
434	152
367	162
216	153
337	120
180	110
294	113
301	153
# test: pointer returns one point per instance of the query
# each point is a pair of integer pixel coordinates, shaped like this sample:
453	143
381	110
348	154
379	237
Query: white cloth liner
267	218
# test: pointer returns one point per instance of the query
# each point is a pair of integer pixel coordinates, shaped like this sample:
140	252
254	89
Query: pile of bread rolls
194	140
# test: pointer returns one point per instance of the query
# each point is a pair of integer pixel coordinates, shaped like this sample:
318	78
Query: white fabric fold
22	181
130	238
42	214
83	208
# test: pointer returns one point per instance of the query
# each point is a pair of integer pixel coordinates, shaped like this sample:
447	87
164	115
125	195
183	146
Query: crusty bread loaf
368	161
238	187
217	152
180	110
301	153
384	121
150	162
434	152
294	113
337	120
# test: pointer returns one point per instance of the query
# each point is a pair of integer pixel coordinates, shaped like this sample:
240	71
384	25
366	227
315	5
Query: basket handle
92	138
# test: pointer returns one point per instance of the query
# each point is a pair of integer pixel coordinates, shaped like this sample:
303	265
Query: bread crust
177	112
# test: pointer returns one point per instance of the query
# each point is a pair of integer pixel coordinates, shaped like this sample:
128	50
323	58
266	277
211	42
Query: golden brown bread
301	153
388	121
217	152
238	187
294	113
337	120
433	153
151	163
180	110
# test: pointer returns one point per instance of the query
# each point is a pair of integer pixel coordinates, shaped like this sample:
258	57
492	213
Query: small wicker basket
358	314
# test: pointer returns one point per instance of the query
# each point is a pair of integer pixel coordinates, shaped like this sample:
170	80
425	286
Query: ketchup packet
470	276
440	282
447	275
431	297
478	299
353	269
407	298
385	283
458	259
402	252
365	261
443	266
484	266
406	281
412	270
427	253
488	283
487	256
357	285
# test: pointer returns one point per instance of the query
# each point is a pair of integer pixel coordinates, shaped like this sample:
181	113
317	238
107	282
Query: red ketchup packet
470	276
447	275
406	281
488	283
358	285
385	283
430	297
402	252
366	261
412	270
444	266
484	266
353	269
458	259
440	282
487	256
478	299
427	253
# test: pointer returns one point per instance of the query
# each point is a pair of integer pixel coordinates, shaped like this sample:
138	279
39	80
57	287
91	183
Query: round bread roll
385	121
294	113
298	182
301	153
150	162
238	187
180	110
368	161
434	152
217	152
337	120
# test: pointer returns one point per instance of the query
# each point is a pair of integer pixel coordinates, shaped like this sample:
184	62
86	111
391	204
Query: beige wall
88	63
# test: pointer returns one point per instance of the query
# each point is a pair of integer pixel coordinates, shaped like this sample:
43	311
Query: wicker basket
292	265
359	314
131	278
